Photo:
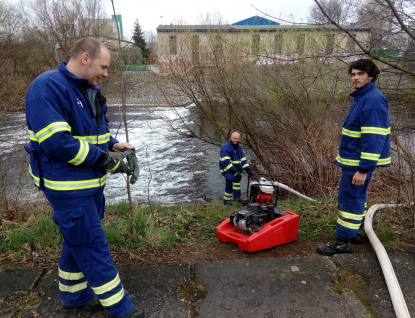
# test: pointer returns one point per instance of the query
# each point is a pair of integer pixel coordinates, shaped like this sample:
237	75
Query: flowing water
172	169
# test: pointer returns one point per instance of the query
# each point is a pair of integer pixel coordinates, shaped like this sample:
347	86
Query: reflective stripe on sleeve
51	129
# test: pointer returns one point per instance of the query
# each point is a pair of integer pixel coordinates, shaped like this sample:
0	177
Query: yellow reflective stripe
51	129
115	167
236	162
74	185
82	153
113	299
384	161
227	196
70	276
369	156
69	185
245	165
227	168
225	158
351	216
107	287
32	135
347	162
36	180
348	225
97	139
72	289
244	158
376	130
351	133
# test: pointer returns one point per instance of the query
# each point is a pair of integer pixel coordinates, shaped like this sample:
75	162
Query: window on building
278	43
351	45
218	47
173	44
195	49
300	43
256	39
329	43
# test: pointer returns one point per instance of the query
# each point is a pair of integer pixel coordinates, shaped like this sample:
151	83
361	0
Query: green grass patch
162	227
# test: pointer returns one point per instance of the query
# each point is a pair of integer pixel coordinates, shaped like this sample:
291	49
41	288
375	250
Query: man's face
98	67
360	78
235	138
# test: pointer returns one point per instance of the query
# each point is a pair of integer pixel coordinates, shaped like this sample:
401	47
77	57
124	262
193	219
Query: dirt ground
213	250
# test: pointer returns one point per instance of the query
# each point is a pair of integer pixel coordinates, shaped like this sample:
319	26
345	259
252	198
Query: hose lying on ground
398	301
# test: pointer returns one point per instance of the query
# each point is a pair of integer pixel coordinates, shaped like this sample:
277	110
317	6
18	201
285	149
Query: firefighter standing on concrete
364	146
71	150
231	164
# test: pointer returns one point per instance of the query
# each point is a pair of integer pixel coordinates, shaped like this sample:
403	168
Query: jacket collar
363	90
79	82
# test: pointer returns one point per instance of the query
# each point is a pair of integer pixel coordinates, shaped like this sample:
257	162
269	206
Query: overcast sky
150	14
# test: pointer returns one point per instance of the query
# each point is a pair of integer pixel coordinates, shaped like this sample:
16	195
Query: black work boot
93	305
134	313
358	239
334	247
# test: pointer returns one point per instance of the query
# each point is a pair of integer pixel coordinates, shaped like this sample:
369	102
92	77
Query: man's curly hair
367	66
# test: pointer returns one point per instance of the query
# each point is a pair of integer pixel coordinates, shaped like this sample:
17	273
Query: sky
150	14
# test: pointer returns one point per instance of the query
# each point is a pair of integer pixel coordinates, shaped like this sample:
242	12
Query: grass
161	227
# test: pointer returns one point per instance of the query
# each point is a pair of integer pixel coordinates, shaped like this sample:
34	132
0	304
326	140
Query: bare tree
338	10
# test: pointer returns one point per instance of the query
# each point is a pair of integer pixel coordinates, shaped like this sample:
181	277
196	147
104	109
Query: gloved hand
133	165
114	162
238	176
250	172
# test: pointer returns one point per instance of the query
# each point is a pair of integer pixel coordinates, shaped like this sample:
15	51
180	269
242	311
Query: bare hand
118	147
359	178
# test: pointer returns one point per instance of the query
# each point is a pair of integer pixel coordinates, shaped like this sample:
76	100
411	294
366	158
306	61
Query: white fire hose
287	188
398	301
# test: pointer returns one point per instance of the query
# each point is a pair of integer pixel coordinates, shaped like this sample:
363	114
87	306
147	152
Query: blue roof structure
256	20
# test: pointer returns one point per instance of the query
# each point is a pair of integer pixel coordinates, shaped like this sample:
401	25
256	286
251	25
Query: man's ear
85	58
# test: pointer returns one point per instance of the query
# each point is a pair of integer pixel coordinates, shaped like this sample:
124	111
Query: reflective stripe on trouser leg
227	196
352	206
236	189
85	252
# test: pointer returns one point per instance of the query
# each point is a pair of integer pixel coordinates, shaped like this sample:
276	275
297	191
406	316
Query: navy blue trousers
86	267
352	205
232	186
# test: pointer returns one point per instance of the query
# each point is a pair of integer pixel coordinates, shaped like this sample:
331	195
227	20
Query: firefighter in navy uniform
71	151
364	146
231	164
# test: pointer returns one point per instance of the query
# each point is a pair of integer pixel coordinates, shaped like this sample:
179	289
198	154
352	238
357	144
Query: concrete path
318	286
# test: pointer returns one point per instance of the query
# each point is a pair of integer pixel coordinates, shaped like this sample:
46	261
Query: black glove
133	165
114	162
250	172
238	176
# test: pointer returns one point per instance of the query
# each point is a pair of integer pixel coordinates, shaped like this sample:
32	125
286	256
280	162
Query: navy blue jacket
232	159
67	140
365	140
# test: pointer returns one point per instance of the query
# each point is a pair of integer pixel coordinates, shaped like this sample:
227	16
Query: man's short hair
87	44
367	66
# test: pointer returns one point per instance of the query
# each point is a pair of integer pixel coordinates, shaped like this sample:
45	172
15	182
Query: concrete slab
153	288
286	287
317	286
19	280
374	291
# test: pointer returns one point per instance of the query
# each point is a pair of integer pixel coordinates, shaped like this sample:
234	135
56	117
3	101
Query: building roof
260	28
256	20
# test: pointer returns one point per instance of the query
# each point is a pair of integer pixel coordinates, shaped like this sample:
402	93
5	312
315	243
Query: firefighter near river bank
71	150
364	146
231	164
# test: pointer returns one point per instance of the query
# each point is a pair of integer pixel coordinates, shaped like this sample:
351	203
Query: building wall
180	51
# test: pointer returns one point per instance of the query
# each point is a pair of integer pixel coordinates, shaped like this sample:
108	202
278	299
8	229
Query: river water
172	169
